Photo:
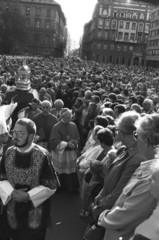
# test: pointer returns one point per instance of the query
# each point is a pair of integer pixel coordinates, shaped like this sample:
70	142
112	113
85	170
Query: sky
77	13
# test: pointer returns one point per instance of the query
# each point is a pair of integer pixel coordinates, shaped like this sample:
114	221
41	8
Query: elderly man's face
58	106
67	117
45	108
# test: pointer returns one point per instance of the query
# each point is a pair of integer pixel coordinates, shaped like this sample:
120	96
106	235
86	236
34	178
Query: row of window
118	47
39	39
134	15
122	36
122	25
154	33
124	14
154	23
38	24
155	14
38	11
116	60
153	43
153	52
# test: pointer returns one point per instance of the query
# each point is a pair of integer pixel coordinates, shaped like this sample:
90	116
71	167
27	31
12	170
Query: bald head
46	103
45	106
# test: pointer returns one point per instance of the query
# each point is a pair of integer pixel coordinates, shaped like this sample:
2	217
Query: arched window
128	15
140	27
105	13
142	16
115	14
117	60
123	61
129	61
134	16
110	59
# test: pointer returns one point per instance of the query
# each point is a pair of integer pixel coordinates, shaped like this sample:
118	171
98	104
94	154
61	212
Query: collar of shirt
144	169
27	150
45	114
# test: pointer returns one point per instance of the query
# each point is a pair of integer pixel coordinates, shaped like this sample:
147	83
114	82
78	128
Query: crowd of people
94	129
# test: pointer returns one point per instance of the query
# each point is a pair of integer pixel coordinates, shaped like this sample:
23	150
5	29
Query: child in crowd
94	186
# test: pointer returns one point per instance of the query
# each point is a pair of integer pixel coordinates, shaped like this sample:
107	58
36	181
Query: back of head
88	94
136	107
102	121
107	111
49	85
121	108
133	99
97	128
106	136
110	120
113	97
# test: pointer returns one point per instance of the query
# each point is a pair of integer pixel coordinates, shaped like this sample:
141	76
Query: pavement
66	223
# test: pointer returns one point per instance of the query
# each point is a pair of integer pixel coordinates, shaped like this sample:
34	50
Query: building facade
118	32
152	54
46	28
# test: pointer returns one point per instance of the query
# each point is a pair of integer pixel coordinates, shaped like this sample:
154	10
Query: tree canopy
12	28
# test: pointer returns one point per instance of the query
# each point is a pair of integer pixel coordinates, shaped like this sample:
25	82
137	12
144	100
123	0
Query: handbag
94	232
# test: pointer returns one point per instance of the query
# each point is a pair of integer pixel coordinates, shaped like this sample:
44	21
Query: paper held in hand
6	190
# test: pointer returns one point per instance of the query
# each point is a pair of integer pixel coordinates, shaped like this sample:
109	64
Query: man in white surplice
29	180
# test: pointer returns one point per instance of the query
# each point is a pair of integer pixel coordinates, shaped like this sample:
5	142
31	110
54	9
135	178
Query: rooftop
41	1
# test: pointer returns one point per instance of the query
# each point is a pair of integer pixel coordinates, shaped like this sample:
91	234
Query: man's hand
74	142
71	145
20	195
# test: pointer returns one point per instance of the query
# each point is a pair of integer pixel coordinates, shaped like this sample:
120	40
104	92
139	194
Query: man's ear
31	137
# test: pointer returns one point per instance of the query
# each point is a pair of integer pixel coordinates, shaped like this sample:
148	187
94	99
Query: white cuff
61	147
39	194
6	190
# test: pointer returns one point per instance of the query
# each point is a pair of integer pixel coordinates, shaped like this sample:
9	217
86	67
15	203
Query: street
67	225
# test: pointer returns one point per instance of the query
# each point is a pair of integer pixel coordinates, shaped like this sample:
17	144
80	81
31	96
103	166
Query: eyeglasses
135	135
20	134
117	130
